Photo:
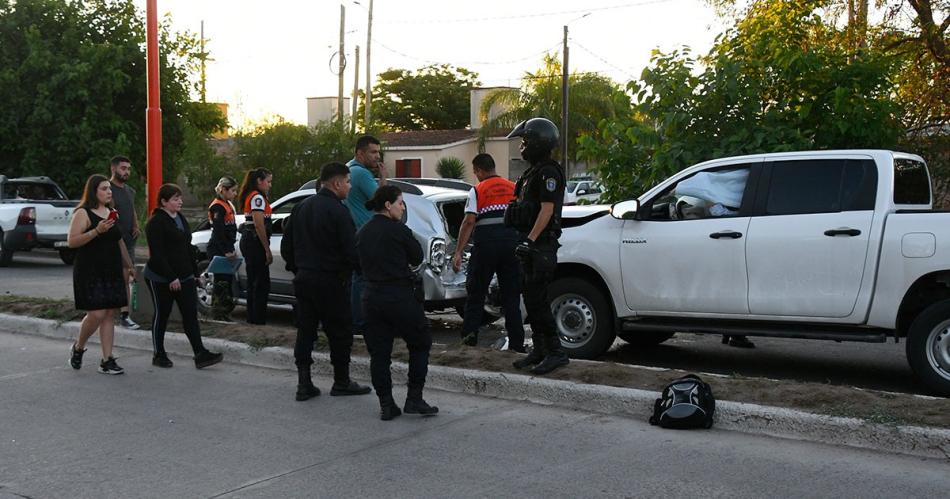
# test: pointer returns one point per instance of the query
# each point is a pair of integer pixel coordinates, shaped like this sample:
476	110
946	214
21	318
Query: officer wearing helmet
536	215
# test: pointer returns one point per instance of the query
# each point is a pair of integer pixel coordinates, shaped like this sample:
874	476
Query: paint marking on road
30	373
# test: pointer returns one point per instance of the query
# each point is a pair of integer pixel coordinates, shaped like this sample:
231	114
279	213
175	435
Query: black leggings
187	299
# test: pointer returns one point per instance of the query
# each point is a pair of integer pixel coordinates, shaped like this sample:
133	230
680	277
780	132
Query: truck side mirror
581	192
625	210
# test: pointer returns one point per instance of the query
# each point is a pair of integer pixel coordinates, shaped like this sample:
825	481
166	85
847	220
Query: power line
525	16
605	61
456	63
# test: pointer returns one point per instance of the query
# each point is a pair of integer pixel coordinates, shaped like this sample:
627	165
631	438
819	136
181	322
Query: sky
270	55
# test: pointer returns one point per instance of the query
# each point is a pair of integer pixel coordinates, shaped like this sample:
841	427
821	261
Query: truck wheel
645	338
582	316
928	347
67	256
6	256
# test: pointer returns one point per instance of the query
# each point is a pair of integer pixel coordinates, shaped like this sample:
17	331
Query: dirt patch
835	400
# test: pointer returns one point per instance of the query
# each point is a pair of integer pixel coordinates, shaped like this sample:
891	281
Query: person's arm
363	182
465	232
80	232
158	259
287	251
544	216
413	248
135	220
383	174
126	261
218	228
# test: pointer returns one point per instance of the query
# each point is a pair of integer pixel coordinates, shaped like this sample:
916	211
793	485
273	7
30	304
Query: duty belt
490	221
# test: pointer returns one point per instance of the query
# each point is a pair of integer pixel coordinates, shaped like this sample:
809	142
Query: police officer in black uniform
536	214
319	246
392	301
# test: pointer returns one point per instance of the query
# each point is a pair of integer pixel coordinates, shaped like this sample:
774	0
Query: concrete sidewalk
235	431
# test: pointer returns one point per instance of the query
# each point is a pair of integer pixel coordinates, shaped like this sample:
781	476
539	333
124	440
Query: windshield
571	186
33	191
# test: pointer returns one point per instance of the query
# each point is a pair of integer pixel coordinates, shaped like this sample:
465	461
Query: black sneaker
419	406
108	366
550	363
161	360
75	357
206	358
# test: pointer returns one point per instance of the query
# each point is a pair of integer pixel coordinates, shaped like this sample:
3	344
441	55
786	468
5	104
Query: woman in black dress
100	271
170	275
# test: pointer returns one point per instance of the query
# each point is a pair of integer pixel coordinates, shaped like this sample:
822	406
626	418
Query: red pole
153	115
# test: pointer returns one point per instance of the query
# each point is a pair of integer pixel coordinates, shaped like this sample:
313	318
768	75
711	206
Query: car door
685	253
808	238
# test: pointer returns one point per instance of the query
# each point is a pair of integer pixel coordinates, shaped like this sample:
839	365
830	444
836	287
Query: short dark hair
364	141
484	162
116	160
384	194
167	191
331	170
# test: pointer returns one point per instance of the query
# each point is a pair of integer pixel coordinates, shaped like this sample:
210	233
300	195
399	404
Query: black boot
419	406
388	410
343	385
305	388
555	358
535	356
740	342
470	339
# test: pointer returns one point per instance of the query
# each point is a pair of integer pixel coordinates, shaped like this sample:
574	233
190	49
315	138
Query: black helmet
540	137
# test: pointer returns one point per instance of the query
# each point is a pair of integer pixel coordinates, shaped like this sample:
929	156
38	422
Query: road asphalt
235	431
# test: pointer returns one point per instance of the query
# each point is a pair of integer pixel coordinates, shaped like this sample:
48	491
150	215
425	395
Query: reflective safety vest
256	201
492	196
229	218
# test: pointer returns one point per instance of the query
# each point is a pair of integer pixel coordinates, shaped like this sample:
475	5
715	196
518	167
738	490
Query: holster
520	215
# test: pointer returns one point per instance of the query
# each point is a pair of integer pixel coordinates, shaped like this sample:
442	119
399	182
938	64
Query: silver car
434	212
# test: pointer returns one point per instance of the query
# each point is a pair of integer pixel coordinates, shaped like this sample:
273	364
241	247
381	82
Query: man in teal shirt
362	188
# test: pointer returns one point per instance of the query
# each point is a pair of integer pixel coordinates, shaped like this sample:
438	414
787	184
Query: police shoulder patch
551	184
259	202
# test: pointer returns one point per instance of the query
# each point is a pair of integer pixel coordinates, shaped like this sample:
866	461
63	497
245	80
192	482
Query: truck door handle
844	231
729	234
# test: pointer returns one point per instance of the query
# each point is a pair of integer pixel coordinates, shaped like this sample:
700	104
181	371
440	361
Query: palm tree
592	98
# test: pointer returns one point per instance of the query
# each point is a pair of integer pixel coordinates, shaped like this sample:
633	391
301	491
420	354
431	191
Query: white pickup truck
34	212
829	245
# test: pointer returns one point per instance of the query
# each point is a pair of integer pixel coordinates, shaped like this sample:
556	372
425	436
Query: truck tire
67	255
6	256
205	285
928	347
583	317
644	338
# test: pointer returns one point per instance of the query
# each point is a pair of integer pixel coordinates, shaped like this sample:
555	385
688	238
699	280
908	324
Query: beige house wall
500	150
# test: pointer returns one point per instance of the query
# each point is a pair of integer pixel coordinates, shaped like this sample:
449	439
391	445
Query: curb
627	402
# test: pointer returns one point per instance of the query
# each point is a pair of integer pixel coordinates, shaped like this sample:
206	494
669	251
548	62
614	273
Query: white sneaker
128	323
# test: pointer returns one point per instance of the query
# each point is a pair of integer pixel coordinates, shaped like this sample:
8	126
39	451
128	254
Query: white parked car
34	213
576	190
829	245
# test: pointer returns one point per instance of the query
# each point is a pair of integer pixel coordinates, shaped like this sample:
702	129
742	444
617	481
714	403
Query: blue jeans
356	304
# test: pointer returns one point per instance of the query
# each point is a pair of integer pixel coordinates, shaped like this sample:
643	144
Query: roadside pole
153	114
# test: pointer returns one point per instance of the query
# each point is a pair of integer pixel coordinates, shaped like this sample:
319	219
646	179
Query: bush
450	167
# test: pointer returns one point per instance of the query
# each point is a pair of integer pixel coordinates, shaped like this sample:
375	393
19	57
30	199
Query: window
821	186
911	183
288	206
708	194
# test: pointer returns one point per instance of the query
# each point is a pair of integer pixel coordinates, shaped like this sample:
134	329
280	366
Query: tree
450	167
430	98
293	153
73	90
779	80
592	98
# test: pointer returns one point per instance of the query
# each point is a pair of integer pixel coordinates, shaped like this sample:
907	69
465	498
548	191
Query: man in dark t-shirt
123	197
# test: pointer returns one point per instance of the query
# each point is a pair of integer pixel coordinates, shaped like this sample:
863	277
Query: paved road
867	365
235	431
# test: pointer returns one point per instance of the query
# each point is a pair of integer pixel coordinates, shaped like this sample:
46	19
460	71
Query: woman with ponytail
255	242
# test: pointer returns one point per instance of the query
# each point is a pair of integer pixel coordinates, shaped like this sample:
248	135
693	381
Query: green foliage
431	98
294	153
591	98
73	90
450	167
779	80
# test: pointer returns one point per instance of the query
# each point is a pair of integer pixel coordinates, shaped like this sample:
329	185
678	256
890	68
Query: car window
821	186
288	206
31	191
571	186
708	194
911	184
596	189
583	187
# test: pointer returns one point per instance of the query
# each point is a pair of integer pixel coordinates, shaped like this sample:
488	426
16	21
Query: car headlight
437	254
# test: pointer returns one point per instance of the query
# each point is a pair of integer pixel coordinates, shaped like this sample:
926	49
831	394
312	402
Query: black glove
525	249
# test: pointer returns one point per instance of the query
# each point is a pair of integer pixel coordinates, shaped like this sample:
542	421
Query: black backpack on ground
685	403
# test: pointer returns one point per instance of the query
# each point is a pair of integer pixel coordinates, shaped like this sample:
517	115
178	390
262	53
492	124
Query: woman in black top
223	237
100	271
387	249
255	242
170	275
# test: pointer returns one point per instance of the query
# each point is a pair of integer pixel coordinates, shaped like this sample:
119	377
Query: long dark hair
89	198
250	182
384	194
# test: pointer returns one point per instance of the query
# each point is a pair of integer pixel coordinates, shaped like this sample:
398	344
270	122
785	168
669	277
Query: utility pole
369	86
339	101
153	113
356	89
203	56
564	103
